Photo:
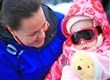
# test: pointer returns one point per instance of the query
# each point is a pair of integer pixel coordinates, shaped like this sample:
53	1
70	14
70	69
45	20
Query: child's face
84	45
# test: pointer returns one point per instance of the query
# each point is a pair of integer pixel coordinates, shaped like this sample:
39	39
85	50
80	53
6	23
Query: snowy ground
61	7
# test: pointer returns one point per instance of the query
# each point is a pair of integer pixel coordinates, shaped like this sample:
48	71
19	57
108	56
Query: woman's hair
1	4
15	10
0	8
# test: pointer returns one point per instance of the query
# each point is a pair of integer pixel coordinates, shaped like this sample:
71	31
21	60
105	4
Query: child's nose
83	42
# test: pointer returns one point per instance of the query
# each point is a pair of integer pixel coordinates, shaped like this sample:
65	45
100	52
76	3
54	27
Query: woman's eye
33	34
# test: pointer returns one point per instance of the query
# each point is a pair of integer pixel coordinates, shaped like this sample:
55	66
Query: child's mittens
68	74
83	65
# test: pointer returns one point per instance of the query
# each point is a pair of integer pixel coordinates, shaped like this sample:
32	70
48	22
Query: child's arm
68	74
56	70
104	59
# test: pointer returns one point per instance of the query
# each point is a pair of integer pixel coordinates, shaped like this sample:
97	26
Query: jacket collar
53	21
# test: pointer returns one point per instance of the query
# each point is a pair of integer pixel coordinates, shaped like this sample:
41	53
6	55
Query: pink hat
85	9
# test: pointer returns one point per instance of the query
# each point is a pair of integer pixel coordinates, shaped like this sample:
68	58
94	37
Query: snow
61	7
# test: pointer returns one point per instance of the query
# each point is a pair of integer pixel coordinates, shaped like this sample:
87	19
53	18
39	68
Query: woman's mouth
40	40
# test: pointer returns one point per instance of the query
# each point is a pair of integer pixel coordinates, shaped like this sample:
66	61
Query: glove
68	74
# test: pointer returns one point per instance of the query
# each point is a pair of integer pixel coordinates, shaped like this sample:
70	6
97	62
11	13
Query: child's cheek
92	44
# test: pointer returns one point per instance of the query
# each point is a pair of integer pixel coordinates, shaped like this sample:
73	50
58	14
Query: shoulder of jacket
59	15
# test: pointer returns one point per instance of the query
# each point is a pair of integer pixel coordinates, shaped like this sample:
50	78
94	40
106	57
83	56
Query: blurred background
55	2
64	5
58	5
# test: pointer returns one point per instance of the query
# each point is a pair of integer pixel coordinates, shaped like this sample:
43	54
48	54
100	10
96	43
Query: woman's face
32	31
84	45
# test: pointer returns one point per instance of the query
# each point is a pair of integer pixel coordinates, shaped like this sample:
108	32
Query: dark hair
106	6
1	4
0	8
15	10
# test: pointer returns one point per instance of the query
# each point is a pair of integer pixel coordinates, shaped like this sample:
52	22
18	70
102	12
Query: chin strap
18	40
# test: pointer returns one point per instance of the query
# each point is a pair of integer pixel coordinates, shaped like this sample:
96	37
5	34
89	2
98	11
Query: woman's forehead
36	19
34	22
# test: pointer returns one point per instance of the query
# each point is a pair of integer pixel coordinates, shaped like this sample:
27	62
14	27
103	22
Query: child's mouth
85	48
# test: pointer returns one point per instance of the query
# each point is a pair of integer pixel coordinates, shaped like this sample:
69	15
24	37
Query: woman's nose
41	34
47	26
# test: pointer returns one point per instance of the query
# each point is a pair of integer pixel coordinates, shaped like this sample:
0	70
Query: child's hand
68	74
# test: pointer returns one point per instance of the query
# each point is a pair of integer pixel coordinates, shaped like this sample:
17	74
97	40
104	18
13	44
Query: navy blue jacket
18	62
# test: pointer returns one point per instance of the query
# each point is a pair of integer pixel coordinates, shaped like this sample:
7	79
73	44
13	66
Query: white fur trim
73	20
98	69
95	24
